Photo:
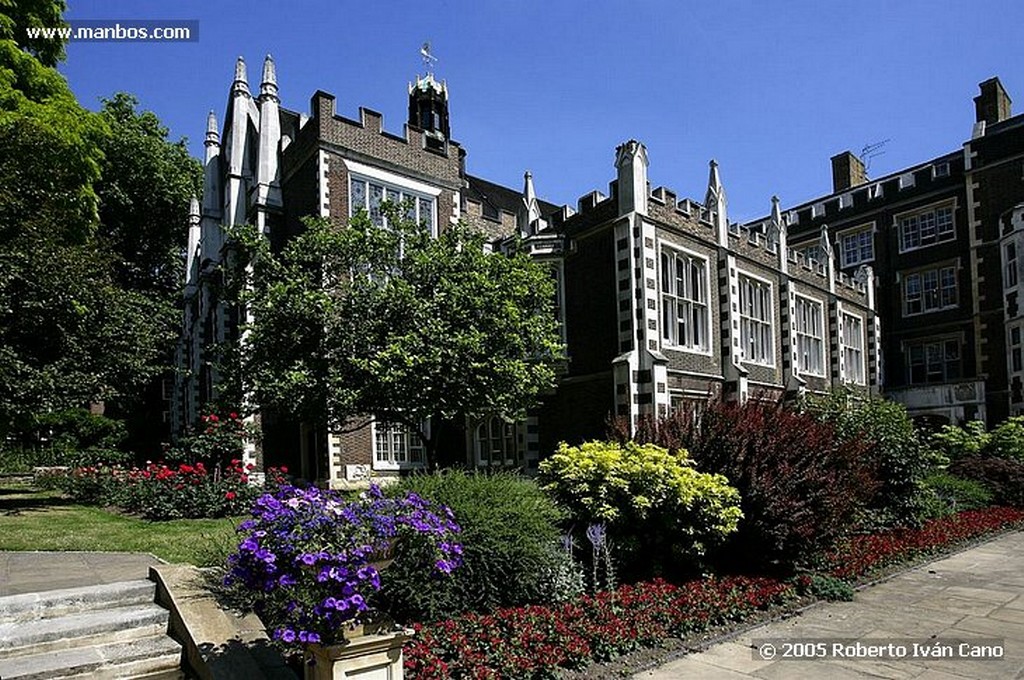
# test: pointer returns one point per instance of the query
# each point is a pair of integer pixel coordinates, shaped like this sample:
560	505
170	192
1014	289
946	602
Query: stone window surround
389	180
502	437
809	336
672	340
853	353
767	340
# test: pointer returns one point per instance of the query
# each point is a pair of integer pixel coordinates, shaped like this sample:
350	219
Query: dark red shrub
1005	478
801	487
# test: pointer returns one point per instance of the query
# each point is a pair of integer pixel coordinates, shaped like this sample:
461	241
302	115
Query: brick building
662	301
942	240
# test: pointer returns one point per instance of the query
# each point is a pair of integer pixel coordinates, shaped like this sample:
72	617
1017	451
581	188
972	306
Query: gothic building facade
943	237
662	301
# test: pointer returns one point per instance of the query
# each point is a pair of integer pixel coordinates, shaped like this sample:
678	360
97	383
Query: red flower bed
160	491
535	642
862	554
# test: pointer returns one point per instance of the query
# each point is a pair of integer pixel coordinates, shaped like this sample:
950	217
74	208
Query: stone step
152	657
118	624
55	603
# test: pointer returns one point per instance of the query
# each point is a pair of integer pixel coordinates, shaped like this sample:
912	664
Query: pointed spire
531	208
776	211
824	242
716	192
212	130
268	88
241	84
715	203
528	192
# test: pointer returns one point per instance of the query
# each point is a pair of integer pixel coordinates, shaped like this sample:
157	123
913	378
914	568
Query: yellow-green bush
659	510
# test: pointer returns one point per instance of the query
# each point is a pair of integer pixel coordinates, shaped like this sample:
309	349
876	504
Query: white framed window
496	442
756	339
396	446
684	300
930	290
857	247
368	193
810	337
1010	265
940	170
932	361
1015	349
853	349
926	227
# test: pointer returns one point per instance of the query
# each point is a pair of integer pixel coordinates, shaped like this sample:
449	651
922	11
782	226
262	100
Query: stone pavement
28	572
975	595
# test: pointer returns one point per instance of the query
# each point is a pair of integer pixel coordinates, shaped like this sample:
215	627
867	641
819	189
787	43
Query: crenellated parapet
412	150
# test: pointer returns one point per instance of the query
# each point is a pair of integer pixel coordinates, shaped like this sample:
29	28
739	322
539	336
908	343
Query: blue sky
769	89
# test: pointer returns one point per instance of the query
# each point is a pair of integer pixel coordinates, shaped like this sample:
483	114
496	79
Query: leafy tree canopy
394	322
74	327
17	15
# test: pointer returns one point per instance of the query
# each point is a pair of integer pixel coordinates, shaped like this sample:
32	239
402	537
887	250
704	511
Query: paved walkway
28	572
976	595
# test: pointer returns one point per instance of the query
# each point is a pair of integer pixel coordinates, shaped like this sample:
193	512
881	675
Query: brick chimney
847	171
993	104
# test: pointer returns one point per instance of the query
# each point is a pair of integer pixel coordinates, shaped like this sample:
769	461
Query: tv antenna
428	59
872	150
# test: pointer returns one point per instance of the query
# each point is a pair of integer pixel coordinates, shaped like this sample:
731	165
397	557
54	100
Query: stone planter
370	652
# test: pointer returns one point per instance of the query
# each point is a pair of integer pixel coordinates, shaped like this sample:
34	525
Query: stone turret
268	191
212	193
236	142
192	252
631	162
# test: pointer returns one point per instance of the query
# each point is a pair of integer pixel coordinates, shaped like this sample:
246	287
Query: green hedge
509	537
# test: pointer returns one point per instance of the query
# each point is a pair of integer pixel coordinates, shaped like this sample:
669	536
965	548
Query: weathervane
428	58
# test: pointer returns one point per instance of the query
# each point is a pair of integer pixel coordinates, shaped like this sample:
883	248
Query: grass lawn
42	520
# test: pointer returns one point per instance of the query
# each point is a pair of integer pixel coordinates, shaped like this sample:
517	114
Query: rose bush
309	559
160	491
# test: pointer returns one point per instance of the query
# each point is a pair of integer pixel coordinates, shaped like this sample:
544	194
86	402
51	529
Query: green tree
391	322
144	188
18	15
69	333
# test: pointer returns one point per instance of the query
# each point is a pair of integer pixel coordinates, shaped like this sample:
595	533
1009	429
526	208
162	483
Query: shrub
509	530
969	441
899	458
219	439
1007	440
1004	478
825	587
71	438
800	486
161	492
659	510
949	494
